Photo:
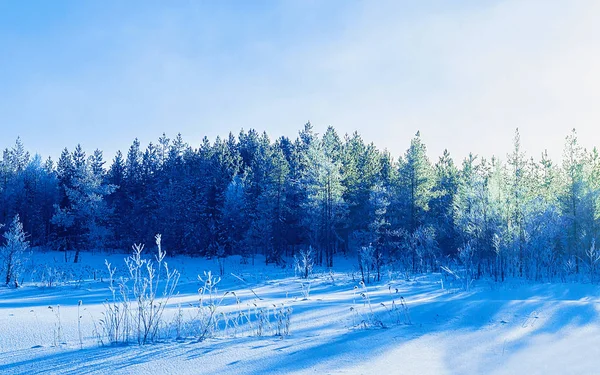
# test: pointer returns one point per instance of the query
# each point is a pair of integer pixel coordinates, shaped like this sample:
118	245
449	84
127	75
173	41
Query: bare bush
137	310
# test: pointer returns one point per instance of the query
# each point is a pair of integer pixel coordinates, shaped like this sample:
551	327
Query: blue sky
464	73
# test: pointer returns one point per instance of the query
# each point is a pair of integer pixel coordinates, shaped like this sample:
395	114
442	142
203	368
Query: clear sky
464	73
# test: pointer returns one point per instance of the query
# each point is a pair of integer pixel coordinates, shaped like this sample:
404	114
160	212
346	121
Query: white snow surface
514	327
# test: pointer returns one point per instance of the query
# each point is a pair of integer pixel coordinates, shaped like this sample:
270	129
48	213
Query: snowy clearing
509	328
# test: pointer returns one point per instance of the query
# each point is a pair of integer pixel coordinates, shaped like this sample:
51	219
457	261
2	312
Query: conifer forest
517	215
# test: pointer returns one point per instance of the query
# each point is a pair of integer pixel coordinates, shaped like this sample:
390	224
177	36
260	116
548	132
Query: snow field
510	328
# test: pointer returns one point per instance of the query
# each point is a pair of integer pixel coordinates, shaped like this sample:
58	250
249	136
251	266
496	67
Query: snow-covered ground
510	328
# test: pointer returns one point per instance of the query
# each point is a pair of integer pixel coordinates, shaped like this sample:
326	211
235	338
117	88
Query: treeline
249	195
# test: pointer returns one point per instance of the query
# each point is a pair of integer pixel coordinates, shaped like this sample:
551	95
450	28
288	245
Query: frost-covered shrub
207	316
210	320
58	335
138	303
305	290
265	321
363	313
262	320
115	323
150	296
398	311
283	316
367	314
52	274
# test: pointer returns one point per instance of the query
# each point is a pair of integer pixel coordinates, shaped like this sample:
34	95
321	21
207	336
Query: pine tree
234	217
470	197
441	205
270	170
96	162
117	203
17	156
573	191
81	217
517	199
360	174
415	186
416	183
325	205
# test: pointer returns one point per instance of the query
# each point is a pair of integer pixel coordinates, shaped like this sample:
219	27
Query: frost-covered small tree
304	265
366	262
465	254
13	252
592	257
423	249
